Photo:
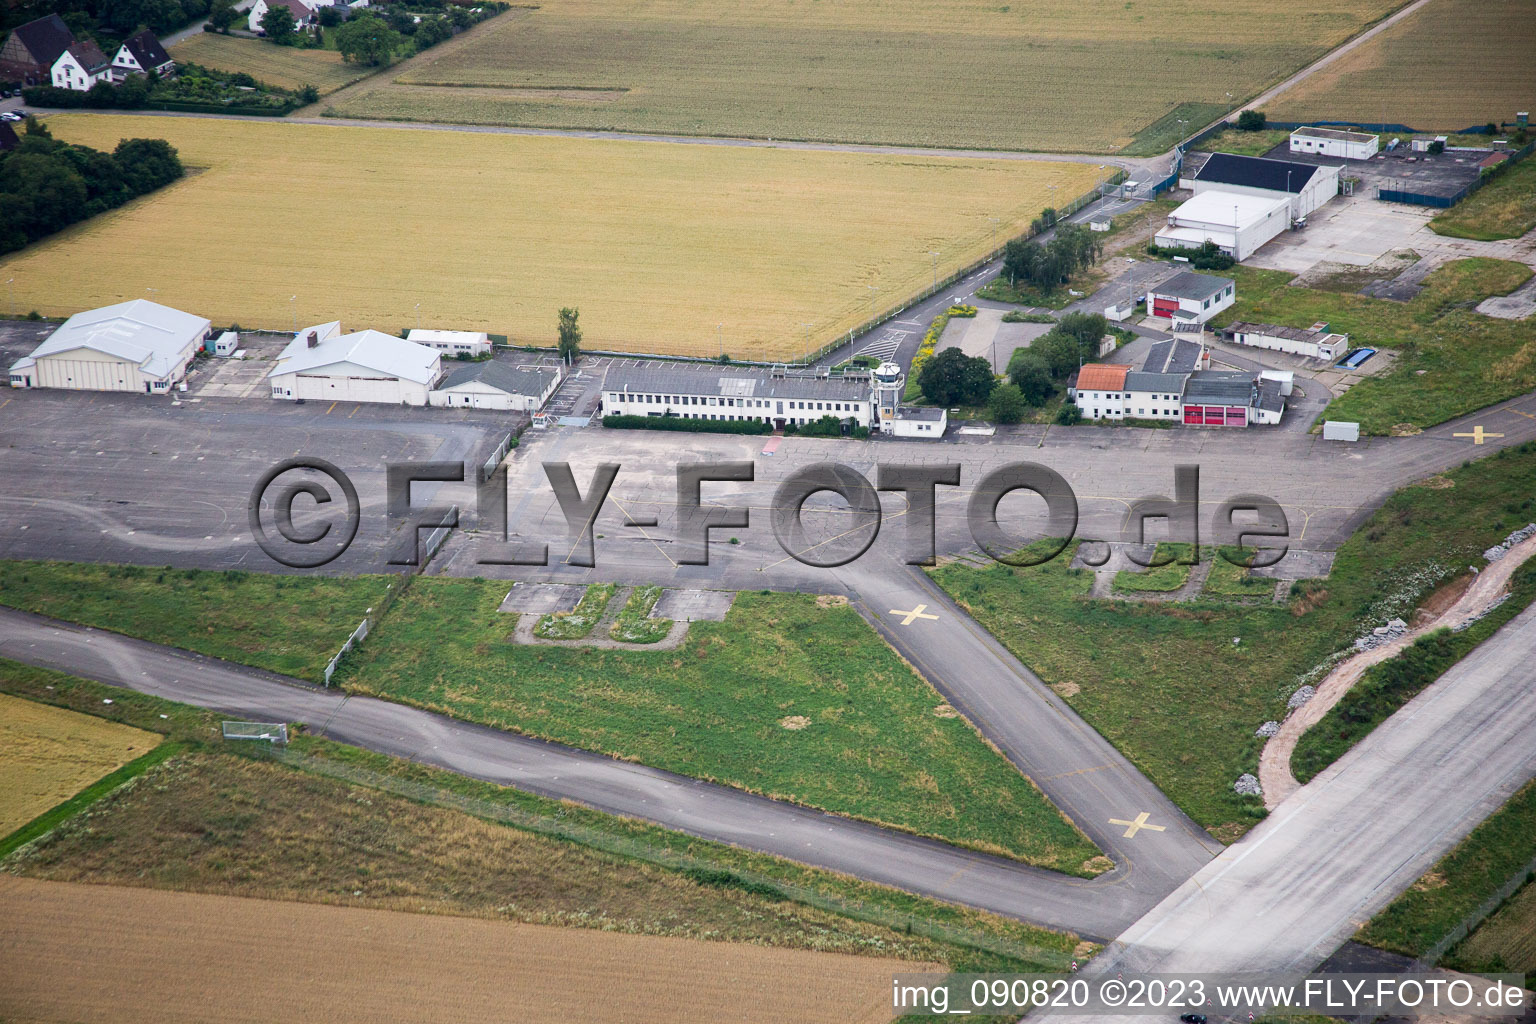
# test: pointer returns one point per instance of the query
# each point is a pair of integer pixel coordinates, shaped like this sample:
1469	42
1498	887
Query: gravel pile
1246	785
1498	551
1267	729
1382	635
1463	625
1300	697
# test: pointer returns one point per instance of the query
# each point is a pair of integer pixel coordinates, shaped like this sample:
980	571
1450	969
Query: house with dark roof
141	53
80	66
495	385
1228	398
1179	355
1191	297
31	49
1305	186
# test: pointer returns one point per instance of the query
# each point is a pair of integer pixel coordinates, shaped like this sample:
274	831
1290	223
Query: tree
147	163
1068	414
570	334
1060	352
330	16
952	378
279	25
223	15
1437	147
1251	121
1031	376
1006	404
367	40
1088	329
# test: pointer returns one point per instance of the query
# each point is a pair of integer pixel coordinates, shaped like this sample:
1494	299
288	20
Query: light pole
935	254
294	311
995	222
720	338
873	289
418	316
1133	284
807	327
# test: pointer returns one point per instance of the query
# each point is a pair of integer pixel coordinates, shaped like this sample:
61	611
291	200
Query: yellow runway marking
1137	825
914	614
1478	435
328	411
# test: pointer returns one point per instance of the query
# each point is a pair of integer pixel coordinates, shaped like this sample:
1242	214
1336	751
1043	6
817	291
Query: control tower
888	384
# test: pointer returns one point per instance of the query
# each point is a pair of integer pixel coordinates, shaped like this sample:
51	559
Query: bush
687	424
1031	377
1068	414
827	426
962	311
1437	147
1006	404
1208	257
1251	121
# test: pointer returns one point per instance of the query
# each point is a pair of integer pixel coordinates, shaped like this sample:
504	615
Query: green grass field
287	624
1467	360
578	622
242	825
728	706
1245	143
1126	666
286	67
1505	208
1087	77
1460	882
1159	579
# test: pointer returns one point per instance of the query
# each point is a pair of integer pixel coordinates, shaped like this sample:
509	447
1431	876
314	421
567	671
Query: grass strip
1160	579
1462	880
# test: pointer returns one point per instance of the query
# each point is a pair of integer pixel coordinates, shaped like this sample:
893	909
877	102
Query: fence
435	540
1392	195
392	591
272	732
657	853
1481	914
498	454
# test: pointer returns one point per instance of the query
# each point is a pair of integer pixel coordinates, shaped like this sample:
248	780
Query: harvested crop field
49	754
664	248
1450	65
1057	75
286	67
158	956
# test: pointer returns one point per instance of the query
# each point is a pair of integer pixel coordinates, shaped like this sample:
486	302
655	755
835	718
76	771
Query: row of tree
1051	265
46	185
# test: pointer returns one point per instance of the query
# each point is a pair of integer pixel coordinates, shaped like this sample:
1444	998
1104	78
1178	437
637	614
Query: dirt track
1275	778
88	953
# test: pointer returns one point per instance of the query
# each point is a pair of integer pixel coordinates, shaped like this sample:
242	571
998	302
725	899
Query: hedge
687	424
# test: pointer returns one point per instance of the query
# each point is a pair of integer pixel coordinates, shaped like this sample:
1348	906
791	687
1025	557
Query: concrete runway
1343	846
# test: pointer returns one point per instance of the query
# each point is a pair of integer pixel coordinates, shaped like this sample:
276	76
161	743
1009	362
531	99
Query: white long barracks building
366	366
130	346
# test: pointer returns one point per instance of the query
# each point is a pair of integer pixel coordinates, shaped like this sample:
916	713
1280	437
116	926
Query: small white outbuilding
453	343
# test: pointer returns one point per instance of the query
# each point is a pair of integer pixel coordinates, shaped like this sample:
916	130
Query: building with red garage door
1224	398
1191	297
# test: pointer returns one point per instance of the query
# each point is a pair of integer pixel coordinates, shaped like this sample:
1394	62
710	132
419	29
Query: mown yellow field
663	247
1063	75
48	754
1450	65
283	66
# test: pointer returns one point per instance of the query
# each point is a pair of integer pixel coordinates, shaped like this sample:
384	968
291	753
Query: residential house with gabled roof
141	53
80	66
31	50
303	14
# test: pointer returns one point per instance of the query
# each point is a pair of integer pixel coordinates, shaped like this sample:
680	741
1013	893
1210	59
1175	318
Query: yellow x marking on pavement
1137	825
913	615
1477	435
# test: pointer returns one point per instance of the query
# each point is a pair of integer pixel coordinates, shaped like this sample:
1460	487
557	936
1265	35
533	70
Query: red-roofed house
1100	391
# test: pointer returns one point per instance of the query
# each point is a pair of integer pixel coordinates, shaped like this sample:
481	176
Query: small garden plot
634	624
578	622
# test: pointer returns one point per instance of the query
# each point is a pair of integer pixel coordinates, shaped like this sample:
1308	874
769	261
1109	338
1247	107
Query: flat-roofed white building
925	422
366	366
1308	186
735	393
131	346
453	343
1191	297
1335	142
1315	342
1236	223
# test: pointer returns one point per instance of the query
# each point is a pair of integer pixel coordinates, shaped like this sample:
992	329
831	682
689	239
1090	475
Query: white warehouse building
131	346
1237	223
1307	186
1315	342
734	393
367	366
1335	142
